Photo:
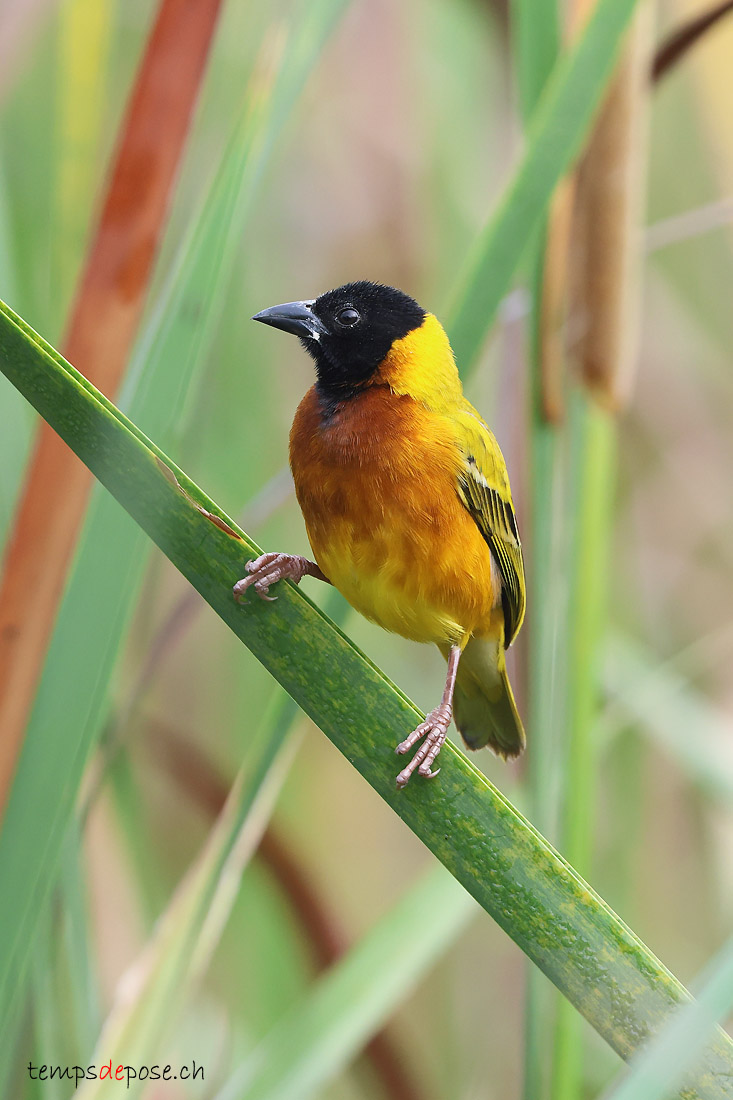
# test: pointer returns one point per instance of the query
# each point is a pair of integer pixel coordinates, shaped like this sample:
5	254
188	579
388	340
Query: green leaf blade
554	137
555	917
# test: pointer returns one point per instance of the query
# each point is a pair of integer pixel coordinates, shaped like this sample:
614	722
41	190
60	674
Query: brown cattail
606	237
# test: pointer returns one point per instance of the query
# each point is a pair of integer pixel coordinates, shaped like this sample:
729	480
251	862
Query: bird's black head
348	331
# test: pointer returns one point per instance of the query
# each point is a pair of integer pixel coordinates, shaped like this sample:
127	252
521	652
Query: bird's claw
266	570
434	730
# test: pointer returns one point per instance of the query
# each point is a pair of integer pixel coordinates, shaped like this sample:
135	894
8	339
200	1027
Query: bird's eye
348	317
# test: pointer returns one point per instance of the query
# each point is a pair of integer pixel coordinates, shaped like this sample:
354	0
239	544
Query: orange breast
376	482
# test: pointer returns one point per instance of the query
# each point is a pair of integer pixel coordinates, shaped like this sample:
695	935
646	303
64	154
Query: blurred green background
386	169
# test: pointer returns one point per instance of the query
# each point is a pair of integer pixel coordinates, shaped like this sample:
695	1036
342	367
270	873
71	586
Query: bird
407	504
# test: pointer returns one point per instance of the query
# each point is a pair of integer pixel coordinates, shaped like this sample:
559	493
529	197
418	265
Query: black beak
295	317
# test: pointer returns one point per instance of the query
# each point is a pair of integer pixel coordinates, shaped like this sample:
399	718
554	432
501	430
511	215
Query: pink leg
433	729
270	568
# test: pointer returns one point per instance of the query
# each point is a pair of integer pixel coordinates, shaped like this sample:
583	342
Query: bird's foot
269	569
434	730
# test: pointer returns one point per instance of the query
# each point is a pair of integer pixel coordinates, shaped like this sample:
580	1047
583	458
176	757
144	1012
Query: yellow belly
377	487
400	585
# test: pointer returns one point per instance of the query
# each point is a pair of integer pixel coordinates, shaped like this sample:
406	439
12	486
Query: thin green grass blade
7	264
664	704
84	36
95	613
15	422
536	34
550	912
554	137
155	987
659	1070
80	1008
589	518
47	1043
135	825
547	598
536	42
63	1004
320	1036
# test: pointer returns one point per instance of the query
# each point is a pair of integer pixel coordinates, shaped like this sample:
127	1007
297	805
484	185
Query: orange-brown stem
104	320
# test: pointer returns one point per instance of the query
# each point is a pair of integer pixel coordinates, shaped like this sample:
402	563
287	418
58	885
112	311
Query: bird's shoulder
480	450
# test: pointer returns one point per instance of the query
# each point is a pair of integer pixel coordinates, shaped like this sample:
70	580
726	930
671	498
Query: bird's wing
483	486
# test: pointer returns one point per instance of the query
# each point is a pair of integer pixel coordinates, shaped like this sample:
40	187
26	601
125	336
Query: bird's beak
295	317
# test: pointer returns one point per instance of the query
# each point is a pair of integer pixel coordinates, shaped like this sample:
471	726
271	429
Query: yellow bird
406	501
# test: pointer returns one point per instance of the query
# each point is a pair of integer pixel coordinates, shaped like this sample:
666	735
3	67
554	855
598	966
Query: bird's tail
483	704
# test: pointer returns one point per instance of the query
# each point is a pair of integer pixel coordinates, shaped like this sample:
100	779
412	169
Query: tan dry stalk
594	246
606	238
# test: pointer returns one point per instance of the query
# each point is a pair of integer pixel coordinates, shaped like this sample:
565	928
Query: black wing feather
493	512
